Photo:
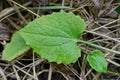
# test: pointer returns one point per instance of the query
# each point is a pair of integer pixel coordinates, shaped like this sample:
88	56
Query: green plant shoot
54	37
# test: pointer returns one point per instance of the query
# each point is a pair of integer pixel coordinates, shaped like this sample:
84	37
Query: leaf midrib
68	39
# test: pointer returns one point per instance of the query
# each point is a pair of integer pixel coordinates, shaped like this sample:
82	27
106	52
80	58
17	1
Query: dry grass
103	28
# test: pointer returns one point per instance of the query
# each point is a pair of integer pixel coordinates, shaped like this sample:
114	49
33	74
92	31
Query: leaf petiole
97	46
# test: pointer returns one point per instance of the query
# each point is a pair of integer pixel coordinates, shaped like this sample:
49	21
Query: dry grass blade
50	73
34	70
16	73
2	74
25	8
110	61
10	9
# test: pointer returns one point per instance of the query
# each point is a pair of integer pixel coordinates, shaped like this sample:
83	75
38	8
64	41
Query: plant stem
51	7
97	46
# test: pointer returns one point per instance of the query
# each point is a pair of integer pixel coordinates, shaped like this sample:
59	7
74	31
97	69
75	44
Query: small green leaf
54	37
118	9
15	48
97	61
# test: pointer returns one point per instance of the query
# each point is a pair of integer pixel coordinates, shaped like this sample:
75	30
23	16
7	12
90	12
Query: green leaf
97	61
118	9
54	37
15	48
